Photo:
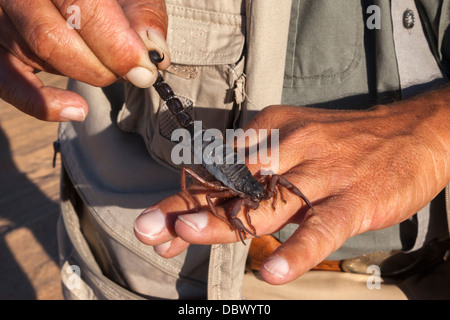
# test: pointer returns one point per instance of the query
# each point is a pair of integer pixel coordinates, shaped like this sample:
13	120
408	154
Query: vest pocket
325	42
206	52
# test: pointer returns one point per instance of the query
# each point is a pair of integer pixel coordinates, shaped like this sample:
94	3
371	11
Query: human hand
112	43
363	170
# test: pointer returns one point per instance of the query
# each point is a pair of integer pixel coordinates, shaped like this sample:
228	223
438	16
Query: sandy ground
29	191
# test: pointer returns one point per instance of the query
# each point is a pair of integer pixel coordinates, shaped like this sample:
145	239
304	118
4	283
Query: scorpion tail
155	57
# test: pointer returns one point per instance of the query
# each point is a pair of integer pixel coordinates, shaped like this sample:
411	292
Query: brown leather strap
262	248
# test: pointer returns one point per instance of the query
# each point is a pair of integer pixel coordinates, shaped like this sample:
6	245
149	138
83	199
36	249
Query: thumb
149	19
320	234
20	87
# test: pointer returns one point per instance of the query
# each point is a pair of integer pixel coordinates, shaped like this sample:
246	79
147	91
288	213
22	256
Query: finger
146	14
21	88
175	216
149	19
205	228
171	248
152	226
15	44
155	225
107	31
46	34
325	228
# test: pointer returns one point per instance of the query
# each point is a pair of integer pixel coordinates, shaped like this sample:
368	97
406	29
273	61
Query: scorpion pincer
234	179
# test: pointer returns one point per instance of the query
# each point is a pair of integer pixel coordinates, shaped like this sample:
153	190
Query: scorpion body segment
228	167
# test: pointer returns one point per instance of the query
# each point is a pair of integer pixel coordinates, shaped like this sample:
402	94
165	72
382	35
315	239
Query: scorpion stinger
234	179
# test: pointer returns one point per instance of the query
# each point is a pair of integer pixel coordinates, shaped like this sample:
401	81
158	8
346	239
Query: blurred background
29	192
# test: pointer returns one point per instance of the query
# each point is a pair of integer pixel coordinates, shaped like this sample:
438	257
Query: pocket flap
199	37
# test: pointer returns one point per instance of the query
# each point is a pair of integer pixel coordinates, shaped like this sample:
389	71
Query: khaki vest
209	48
212	43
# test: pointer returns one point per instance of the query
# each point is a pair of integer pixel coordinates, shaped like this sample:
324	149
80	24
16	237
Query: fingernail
196	221
162	248
150	224
277	266
72	114
141	77
158	40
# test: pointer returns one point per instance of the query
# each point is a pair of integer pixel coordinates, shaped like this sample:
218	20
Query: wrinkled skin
113	39
363	170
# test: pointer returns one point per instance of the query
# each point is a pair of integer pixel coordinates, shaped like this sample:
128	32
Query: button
408	19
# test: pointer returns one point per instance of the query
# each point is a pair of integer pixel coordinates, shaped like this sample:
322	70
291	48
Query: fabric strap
267	36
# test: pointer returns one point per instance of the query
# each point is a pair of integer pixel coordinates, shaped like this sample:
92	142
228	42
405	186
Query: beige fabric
321	285
89	283
428	283
214	38
267	35
207	42
267	30
227	262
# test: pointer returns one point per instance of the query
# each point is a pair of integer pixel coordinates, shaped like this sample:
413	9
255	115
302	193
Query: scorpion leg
202	181
183	183
273	189
280	180
210	185
212	207
233	221
253	205
282	196
237	223
249	219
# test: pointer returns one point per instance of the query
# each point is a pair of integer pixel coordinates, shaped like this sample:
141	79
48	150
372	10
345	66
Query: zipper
447	203
56	150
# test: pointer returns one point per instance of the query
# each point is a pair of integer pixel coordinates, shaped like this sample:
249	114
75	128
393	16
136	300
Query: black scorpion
234	179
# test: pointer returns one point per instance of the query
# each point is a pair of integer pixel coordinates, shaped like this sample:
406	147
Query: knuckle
44	39
34	108
321	233
122	46
27	103
155	8
102	78
269	110
119	52
151	12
